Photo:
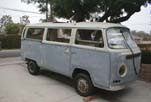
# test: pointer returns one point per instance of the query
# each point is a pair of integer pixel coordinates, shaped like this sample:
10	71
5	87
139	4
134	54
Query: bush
146	53
11	42
13	28
146	57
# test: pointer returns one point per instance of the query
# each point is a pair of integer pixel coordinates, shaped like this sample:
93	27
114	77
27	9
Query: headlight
123	70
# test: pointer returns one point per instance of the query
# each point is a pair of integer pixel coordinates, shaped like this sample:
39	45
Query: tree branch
104	17
121	19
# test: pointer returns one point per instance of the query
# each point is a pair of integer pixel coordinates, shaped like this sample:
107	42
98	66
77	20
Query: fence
145	73
10	42
145	47
0	45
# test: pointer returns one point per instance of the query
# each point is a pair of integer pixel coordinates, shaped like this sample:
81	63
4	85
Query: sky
140	21
17	4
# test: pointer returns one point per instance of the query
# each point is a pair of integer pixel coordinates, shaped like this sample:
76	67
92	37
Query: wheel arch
79	70
28	59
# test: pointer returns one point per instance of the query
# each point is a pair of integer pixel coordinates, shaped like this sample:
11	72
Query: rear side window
92	38
59	35
35	33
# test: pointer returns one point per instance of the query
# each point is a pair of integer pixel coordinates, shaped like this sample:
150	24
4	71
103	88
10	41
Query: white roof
75	25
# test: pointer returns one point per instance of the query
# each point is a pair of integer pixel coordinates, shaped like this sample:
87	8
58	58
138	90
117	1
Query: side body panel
97	63
56	57
32	50
117	59
94	60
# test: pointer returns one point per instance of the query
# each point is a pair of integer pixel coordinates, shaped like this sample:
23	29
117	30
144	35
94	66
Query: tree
115	11
45	6
112	10
24	20
14	28
4	21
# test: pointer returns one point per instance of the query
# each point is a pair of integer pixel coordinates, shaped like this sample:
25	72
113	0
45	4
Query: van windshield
118	38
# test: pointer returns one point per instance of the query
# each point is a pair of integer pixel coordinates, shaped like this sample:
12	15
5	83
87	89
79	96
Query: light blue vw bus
102	55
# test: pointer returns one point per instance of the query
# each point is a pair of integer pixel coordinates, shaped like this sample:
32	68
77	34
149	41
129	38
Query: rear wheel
33	68
83	84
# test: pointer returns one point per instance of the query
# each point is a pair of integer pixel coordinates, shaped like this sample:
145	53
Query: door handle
67	50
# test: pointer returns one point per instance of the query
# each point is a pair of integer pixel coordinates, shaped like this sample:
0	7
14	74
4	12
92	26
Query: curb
18	50
19	62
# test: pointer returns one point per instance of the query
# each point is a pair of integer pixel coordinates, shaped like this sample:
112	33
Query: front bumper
116	88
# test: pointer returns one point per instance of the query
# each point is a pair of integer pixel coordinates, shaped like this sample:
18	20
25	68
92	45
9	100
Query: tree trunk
78	17
51	11
47	11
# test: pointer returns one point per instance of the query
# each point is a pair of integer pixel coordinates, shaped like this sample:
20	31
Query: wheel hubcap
83	85
31	67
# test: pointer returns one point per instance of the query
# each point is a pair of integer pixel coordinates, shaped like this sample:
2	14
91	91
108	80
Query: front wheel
33	68
83	84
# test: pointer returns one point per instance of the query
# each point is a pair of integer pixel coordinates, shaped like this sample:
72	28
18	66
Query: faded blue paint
31	49
55	58
96	63
102	63
119	58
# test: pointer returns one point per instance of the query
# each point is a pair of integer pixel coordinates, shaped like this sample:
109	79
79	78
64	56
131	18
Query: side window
92	38
35	33
59	35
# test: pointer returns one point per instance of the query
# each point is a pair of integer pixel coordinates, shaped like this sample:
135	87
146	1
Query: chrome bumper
116	88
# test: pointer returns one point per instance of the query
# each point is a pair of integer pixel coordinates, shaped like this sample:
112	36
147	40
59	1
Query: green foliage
10	42
146	55
78	9
45	6
112	10
13	28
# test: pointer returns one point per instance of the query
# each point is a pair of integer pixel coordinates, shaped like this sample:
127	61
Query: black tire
33	68
87	84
